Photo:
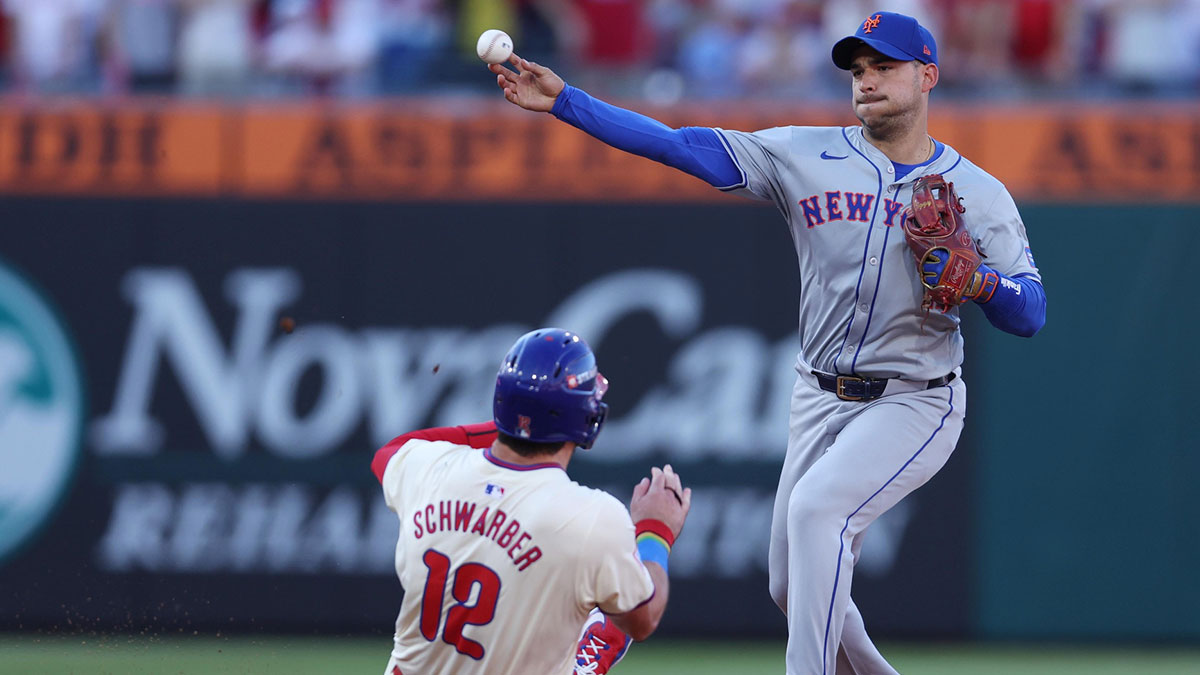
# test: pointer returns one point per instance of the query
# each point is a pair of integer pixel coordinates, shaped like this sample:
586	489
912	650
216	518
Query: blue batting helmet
548	389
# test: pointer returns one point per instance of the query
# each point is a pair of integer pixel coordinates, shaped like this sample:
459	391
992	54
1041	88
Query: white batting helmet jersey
501	563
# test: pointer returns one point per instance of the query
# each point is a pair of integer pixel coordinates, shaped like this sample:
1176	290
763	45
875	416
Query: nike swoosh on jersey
826	155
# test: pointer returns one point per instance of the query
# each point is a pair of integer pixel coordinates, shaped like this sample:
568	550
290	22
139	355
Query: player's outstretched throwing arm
659	506
698	151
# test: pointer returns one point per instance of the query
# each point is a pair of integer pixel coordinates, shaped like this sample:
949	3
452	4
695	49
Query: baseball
494	46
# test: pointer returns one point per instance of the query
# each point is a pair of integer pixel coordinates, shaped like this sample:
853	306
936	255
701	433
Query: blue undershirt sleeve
1018	306
698	151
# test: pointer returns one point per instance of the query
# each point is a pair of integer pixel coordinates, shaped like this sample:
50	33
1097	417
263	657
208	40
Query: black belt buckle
863	385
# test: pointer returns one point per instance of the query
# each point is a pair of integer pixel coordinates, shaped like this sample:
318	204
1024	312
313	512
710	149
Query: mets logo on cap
896	36
41	411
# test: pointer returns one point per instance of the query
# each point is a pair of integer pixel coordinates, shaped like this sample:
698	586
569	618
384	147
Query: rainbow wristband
654	541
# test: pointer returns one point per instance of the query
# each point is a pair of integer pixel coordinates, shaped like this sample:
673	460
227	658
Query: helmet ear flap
596	422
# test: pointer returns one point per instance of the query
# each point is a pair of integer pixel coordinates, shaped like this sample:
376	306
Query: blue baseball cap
894	35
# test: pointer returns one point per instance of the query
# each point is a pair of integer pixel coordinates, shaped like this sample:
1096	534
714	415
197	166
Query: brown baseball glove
947	258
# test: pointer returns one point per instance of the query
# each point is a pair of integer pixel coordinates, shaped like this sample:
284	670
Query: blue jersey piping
866	248
887	233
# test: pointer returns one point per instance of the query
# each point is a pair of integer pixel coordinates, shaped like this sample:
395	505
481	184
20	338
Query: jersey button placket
862	307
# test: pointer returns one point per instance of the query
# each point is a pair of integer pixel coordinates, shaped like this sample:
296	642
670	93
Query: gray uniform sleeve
764	159
1003	240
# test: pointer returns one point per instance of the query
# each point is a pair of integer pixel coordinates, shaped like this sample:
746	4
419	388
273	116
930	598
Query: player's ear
929	76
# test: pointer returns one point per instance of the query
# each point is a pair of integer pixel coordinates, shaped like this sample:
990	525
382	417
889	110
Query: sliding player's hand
661	497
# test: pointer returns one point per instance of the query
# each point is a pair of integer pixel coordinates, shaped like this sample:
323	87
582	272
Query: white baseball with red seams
494	46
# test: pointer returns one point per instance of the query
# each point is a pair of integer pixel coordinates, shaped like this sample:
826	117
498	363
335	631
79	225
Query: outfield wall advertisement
484	149
176	459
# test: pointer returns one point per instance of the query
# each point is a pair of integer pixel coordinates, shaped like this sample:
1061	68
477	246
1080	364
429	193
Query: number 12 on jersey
461	614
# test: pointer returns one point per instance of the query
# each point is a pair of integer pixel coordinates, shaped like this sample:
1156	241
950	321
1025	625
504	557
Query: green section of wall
1089	458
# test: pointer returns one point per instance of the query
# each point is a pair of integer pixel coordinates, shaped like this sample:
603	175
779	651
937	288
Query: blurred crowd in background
661	50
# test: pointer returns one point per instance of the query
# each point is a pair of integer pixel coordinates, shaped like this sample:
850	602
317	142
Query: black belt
852	388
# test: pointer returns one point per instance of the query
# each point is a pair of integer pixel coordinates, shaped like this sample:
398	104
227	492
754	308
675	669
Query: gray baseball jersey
860	299
848	462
